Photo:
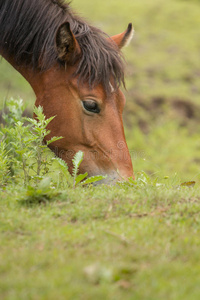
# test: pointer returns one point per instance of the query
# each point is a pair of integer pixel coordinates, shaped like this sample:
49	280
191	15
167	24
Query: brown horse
75	71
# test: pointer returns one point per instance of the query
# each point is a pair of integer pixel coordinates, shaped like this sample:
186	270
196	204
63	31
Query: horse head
88	117
75	71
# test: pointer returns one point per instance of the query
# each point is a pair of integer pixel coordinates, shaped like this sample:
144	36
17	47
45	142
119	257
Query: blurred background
162	114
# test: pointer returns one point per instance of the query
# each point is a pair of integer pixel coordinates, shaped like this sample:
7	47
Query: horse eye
91	106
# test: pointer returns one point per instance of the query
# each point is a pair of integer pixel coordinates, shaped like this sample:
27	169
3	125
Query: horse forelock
28	29
101	59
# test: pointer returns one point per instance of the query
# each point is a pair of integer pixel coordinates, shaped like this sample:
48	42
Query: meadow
133	240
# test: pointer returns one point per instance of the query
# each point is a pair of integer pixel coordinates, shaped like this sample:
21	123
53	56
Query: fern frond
77	160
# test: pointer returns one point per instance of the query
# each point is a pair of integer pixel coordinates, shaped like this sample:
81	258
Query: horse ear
67	46
124	38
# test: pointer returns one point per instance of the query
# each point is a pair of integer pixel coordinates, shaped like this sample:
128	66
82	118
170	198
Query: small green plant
11	114
77	160
13	111
77	179
4	164
42	193
142	180
64	180
22	144
39	132
27	141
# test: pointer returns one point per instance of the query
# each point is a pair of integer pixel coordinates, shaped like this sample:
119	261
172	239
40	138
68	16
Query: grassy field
129	241
102	243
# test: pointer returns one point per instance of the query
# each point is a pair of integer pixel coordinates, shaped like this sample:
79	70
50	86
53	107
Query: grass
12	84
102	243
166	151
122	242
58	239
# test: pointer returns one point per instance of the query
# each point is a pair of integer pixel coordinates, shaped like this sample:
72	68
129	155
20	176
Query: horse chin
111	178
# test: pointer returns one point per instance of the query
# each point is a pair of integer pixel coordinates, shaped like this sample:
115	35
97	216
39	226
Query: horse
76	72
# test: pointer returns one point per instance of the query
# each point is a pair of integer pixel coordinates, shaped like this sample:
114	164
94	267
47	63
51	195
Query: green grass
166	151
102	243
12	84
120	242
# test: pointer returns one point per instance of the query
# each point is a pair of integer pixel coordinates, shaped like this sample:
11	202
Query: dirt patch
147	112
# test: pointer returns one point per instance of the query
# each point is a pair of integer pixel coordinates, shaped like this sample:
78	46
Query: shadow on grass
36	196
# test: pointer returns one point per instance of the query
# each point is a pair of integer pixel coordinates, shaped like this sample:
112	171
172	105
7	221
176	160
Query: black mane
27	33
